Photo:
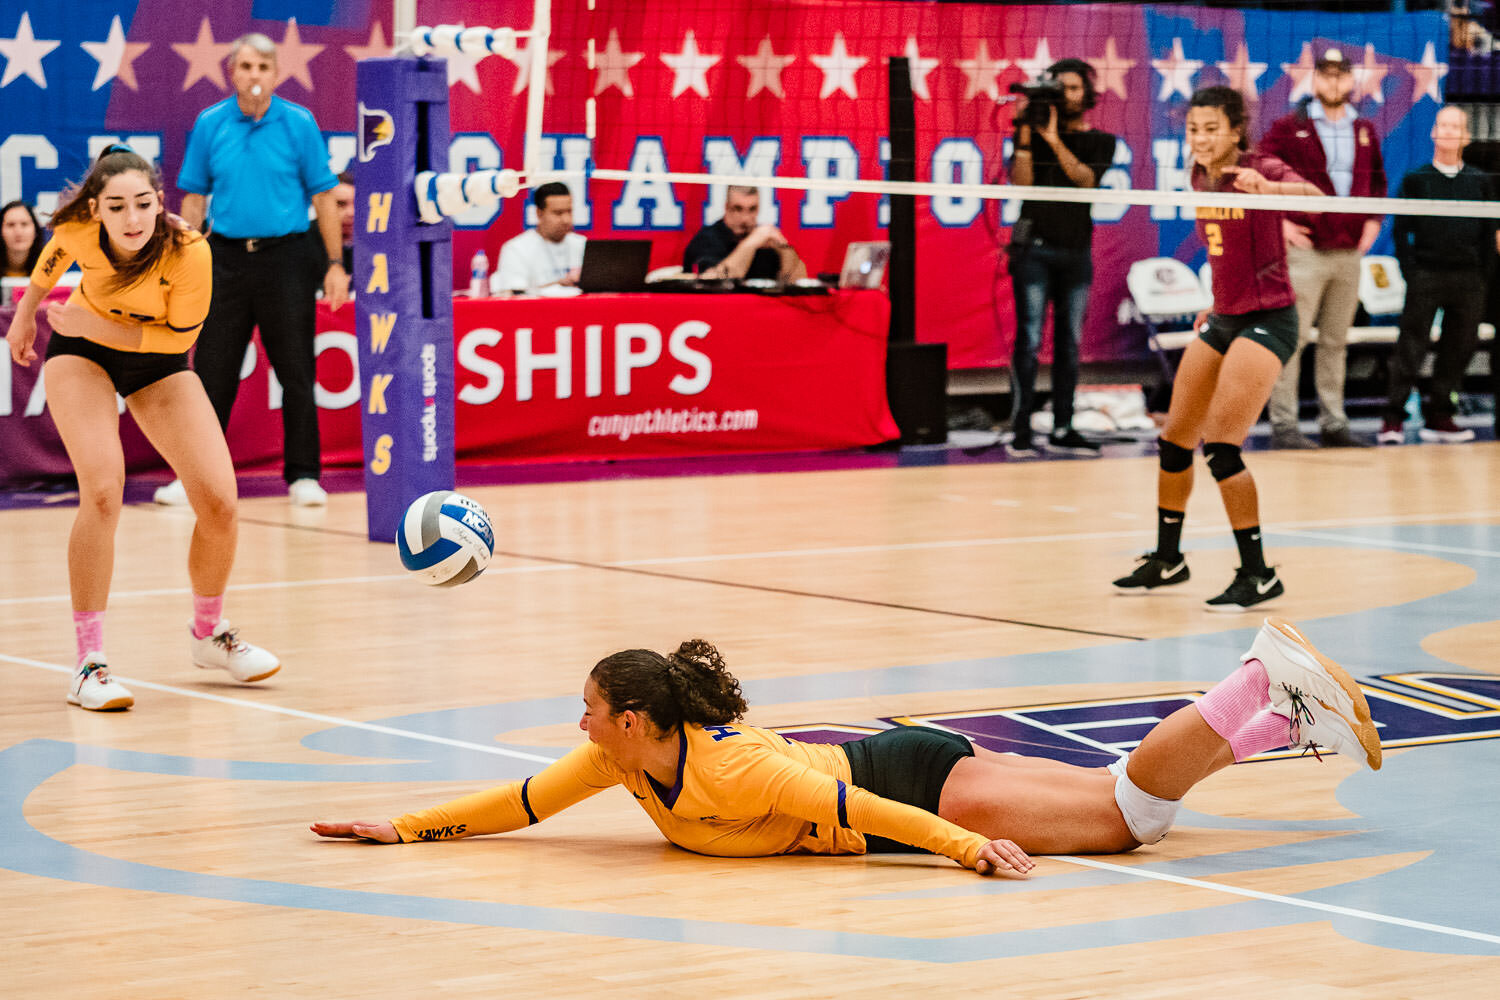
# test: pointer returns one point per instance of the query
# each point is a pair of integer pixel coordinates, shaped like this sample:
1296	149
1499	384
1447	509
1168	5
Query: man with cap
1325	141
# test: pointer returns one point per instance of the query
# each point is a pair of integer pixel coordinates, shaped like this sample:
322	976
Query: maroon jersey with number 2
1246	249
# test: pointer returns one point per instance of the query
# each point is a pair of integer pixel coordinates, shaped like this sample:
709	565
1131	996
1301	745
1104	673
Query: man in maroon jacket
1326	142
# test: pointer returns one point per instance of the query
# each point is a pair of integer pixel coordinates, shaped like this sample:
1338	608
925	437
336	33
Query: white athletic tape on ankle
1148	817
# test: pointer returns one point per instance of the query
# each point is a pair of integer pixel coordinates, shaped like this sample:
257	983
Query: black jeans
272	288
1460	294
1040	274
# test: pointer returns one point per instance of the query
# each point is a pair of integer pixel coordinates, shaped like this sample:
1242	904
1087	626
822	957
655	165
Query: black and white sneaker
1248	590
1073	443
1153	572
1020	445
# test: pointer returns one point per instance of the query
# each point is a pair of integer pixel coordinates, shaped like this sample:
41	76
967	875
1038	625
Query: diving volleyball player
668	729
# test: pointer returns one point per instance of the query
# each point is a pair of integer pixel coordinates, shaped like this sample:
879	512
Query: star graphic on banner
1039	61
1301	73
919	68
293	55
983	73
1176	72
765	69
614	66
1242	73
839	68
24	53
689	67
377	48
1112	68
461	70
205	58
116	57
1369	76
1425	76
522	60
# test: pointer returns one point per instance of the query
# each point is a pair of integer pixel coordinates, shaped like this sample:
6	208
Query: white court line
278	584
1309	904
1136	872
295	713
1387	543
1079	536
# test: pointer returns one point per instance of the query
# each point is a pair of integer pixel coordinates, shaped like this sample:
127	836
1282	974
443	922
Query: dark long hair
115	160
689	686
38	238
1231	102
1085	73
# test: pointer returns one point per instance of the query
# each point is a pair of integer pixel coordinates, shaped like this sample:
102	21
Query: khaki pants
1327	287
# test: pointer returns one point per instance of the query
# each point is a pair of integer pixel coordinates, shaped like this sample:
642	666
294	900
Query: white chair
1164	290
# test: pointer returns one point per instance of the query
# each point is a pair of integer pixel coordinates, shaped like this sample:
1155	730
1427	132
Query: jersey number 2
1215	239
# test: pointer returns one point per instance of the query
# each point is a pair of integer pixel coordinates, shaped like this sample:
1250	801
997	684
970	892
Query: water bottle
479	276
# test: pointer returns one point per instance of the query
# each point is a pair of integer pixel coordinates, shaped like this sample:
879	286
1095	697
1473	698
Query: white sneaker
1303	680
95	690
1314	728
174	494
225	650
307	493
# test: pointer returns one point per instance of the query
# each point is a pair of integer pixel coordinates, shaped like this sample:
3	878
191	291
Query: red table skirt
555	380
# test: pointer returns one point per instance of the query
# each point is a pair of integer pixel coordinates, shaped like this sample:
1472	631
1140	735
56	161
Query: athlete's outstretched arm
512	806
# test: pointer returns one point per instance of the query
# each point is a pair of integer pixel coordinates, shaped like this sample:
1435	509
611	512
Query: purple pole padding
403	288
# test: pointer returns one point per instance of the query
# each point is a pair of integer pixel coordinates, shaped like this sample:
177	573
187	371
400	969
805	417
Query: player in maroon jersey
1227	373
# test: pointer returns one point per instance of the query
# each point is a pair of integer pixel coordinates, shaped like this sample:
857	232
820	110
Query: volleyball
445	539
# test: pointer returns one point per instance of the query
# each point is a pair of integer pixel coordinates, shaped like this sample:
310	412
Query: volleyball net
650	113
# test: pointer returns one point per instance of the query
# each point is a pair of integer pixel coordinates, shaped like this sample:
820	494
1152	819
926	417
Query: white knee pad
1148	817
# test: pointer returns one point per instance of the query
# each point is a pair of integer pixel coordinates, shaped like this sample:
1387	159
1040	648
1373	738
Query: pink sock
1265	731
1234	700
88	626
206	614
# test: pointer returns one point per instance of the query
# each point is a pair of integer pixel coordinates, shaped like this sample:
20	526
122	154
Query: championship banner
785	86
403	281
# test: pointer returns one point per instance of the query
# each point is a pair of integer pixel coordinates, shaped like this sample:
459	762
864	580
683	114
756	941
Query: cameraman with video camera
1050	244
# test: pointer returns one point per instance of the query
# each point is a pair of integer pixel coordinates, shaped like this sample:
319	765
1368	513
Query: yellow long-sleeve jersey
740	792
170	302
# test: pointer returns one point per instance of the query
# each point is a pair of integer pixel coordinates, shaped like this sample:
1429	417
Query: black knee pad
1173	457
1223	460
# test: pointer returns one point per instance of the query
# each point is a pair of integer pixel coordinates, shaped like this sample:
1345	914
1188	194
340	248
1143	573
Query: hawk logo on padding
376	129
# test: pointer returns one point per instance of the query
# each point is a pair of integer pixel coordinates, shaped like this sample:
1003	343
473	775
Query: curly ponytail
690	686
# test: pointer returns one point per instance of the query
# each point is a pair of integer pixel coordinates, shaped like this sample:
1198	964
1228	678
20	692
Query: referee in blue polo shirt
262	160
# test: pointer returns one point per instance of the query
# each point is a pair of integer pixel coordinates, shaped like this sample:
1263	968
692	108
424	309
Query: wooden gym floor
164	852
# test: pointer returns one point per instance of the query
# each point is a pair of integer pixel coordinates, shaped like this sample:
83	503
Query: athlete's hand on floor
380	831
1002	857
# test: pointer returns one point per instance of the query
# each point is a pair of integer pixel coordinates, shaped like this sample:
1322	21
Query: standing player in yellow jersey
1227	373
127	329
667	728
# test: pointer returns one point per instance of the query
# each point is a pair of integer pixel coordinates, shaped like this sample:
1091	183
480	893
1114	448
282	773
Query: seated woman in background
23	237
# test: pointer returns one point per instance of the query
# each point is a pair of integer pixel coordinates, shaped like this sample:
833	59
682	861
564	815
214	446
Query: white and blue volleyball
445	539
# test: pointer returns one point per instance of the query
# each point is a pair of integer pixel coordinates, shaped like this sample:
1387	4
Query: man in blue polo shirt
263	162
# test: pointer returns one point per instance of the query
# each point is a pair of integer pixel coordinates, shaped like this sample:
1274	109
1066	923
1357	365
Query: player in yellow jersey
668	729
144	290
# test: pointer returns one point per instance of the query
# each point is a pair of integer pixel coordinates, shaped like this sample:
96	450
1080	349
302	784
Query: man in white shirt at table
547	259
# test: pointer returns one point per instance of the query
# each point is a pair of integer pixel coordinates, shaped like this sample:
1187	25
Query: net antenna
441	194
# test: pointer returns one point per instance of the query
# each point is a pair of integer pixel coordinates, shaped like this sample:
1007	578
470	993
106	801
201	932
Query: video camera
1042	94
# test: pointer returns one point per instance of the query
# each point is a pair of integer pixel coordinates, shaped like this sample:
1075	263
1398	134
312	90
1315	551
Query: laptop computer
614	265
864	264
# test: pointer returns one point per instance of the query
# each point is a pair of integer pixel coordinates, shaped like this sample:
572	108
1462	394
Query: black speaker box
916	384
